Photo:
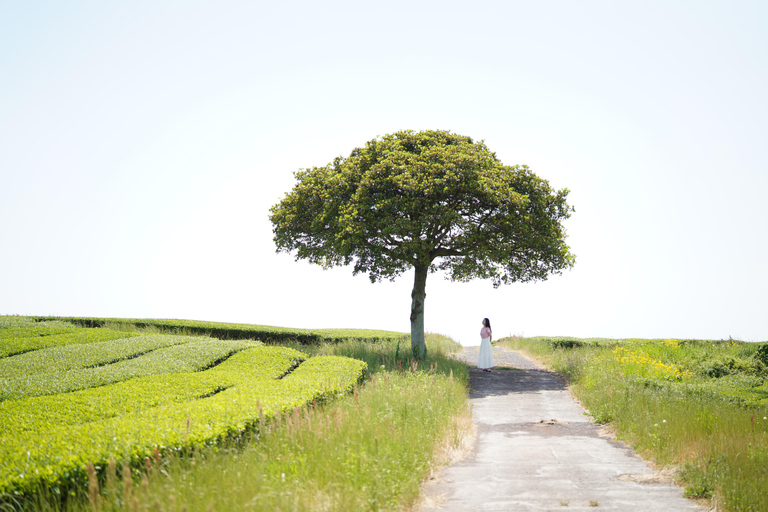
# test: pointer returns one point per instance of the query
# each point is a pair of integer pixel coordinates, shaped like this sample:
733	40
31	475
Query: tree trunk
419	293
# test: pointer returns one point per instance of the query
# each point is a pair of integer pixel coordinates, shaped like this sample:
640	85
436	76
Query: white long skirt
486	354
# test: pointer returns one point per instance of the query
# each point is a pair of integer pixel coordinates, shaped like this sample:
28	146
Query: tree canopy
430	200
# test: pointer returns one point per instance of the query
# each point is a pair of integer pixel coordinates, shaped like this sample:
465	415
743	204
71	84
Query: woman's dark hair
487	323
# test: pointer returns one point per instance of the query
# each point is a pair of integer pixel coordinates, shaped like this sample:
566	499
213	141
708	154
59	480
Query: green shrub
565	343
190	354
762	354
23	334
699	483
21	326
77	356
721	366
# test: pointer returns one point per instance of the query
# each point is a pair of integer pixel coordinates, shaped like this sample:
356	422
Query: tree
431	200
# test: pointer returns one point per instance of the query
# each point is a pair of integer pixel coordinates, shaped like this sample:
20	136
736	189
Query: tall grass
715	436
393	354
367	451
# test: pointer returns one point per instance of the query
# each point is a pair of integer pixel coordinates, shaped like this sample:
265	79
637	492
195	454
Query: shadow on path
506	382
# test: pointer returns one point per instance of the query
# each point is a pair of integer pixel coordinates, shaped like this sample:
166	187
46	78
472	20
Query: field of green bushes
331	419
699	406
85	399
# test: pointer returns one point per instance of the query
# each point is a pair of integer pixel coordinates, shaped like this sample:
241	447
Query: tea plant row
265	333
23	334
79	367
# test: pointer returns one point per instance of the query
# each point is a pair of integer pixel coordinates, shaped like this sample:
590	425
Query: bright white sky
142	144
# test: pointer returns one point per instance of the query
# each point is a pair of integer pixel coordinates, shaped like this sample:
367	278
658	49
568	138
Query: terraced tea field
71	395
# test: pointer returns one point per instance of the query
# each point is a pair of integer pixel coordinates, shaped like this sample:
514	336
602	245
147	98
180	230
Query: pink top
485	332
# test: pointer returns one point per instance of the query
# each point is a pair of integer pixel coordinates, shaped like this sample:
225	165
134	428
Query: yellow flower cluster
641	363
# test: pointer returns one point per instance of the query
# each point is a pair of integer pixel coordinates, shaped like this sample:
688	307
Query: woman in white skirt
485	361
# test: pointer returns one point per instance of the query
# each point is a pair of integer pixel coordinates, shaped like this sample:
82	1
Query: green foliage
728	365
430	200
220	330
23	334
408	198
22	345
762	354
77	356
78	368
22	326
565	343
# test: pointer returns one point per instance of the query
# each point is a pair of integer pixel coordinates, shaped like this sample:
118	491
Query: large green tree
430	201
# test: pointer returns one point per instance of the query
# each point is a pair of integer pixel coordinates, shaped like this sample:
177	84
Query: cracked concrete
536	450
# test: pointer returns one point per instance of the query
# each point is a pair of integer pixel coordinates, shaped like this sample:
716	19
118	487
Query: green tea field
71	395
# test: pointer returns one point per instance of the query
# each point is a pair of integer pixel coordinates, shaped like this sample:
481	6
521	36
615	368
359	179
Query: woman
485	361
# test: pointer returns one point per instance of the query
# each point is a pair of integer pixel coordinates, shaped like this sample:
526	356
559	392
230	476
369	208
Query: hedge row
77	356
97	403
265	333
12	326
23	334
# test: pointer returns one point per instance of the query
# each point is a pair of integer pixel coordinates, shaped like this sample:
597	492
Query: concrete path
536	450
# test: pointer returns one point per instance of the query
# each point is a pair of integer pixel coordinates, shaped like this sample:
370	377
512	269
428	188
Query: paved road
536	450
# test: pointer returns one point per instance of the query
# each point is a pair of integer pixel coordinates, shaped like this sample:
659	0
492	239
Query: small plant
762	354
699	482
593	503
565	343
697	491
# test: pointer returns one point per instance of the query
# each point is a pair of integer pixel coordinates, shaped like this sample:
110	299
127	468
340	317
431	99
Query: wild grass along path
536	450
